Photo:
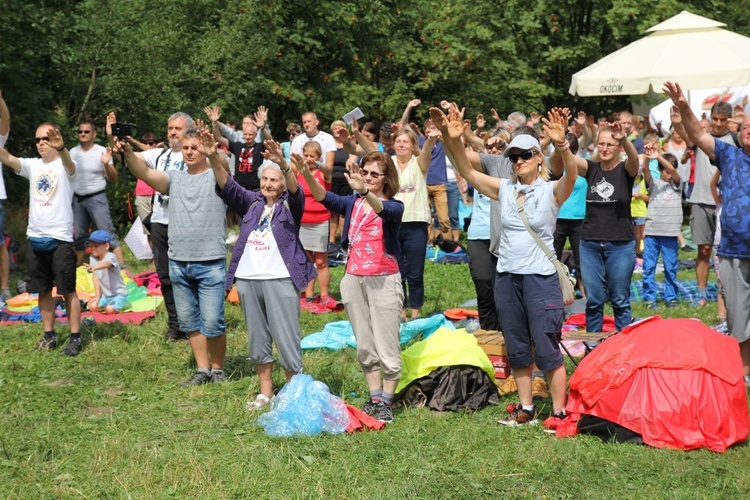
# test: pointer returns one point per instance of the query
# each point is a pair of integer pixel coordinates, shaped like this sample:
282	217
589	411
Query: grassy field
113	423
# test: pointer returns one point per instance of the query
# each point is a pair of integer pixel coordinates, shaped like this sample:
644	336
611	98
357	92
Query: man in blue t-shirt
734	249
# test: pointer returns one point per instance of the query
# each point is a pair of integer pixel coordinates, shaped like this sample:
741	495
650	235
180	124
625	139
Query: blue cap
99	236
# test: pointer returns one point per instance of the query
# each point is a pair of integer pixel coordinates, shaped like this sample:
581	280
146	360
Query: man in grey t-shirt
197	251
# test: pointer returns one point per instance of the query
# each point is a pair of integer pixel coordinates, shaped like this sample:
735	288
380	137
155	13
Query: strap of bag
522	214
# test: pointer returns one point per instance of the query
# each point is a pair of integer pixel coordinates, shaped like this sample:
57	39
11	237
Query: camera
163	198
122	130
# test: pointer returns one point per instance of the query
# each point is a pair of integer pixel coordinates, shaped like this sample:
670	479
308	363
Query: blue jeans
451	189
606	268
668	246
199	295
412	236
95	208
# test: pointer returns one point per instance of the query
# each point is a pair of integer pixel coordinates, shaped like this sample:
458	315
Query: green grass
113	423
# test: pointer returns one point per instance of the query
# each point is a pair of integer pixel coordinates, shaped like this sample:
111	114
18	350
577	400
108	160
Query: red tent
675	382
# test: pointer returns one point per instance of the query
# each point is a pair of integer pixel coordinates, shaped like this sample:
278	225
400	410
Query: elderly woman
607	247
371	287
527	290
269	265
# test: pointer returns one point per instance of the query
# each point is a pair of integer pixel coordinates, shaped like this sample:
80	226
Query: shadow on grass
102	331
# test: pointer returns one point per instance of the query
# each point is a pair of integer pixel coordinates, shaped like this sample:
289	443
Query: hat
522	141
99	236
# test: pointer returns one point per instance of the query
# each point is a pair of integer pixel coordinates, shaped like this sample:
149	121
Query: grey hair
273	166
189	123
517	118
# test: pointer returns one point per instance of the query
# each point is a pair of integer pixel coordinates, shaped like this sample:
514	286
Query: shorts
143	208
48	269
118	302
530	309
703	223
736	284
314	237
639	221
198	289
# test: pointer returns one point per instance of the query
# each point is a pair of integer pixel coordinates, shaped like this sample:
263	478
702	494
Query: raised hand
199	124
261	116
121	146
535	118
342	135
355	125
355	179
555	126
107	155
674	91
208	144
581	118
495	115
651	151
674	115
55	139
273	152
481	122
299	164
111	119
414	103
440	120
617	132
213	113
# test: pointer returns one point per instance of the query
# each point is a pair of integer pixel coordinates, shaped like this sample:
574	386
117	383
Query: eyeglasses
374	175
84	131
526	155
606	145
40	139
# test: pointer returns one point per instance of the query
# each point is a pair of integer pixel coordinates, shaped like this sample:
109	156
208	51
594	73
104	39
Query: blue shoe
672	304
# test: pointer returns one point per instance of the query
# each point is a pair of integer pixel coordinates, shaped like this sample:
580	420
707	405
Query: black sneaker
74	347
672	304
650	304
174	335
383	412
369	407
198	378
47	343
218	377
518	416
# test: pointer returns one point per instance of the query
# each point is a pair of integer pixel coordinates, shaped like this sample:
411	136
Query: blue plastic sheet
305	407
339	334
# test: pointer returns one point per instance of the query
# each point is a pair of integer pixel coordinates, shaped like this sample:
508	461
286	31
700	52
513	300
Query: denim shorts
639	221
198	289
118	302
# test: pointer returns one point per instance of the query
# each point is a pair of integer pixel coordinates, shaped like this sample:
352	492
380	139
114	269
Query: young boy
111	296
663	225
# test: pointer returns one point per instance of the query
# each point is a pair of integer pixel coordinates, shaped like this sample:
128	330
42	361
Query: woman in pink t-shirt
371	288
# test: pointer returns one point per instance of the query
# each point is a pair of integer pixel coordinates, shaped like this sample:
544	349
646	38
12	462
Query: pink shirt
367	255
143	189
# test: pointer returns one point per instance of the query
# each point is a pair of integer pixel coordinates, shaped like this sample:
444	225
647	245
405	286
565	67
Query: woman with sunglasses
527	290
371	287
607	247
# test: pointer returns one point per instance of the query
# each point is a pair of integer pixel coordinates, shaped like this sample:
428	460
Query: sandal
261	401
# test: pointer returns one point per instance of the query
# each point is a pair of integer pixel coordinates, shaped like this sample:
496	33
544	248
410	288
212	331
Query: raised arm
452	127
110	172
273	153
425	156
10	160
214	113
407	111
4	116
56	141
157	179
555	127
261	121
650	152
357	183
618	134
318	191
555	159
690	122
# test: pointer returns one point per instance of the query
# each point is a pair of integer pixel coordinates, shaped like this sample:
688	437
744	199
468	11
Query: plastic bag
305	407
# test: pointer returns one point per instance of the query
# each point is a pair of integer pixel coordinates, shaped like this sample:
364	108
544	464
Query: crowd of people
612	188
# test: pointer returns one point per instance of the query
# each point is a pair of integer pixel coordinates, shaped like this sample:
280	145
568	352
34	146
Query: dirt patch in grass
60	382
98	410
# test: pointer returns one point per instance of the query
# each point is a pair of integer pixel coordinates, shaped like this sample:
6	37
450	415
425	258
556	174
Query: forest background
67	60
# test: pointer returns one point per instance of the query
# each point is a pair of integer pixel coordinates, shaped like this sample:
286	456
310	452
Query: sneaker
218	377
6	294
671	304
699	301
198	378
686	248
722	328
382	411
329	302
369	407
174	335
47	343
518	416
539	388
508	386
650	304
554	421
74	347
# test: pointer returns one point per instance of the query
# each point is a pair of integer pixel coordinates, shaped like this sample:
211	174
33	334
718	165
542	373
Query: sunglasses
374	175
84	131
40	139
526	155
150	143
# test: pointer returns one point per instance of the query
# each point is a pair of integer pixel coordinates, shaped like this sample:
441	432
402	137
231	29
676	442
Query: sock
376	395
220	370
528	408
49	335
387	397
207	371
75	336
560	413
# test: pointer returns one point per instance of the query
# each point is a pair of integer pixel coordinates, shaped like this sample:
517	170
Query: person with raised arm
50	257
734	247
371	286
528	297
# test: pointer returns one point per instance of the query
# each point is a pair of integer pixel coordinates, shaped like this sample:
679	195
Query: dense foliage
65	60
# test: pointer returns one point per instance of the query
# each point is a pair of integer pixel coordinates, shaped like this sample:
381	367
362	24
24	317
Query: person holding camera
163	160
95	170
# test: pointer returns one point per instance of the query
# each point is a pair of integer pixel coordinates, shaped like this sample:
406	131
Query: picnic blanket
339	334
686	290
438	256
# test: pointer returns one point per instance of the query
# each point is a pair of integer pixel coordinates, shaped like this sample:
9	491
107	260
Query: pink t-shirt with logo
367	255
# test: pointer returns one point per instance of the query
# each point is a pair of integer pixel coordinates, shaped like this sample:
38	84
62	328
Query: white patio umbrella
690	49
